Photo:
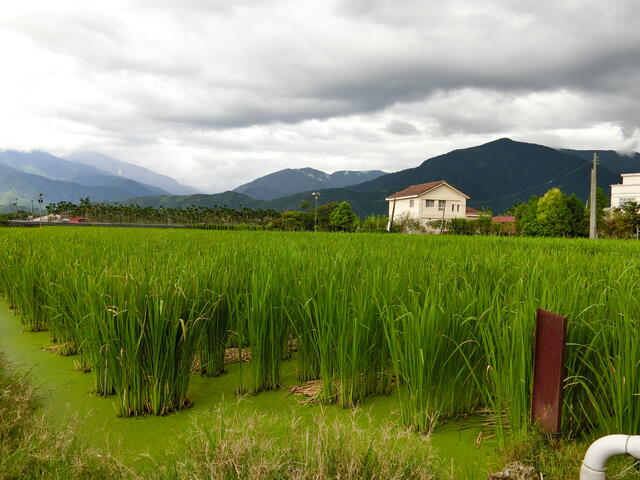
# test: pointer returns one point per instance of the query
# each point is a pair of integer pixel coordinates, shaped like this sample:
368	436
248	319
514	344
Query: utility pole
592	199
393	212
315	212
40	202
443	212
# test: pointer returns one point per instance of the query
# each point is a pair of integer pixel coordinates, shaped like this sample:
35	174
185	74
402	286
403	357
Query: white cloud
216	93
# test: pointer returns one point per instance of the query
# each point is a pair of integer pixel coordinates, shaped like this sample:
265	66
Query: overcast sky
216	93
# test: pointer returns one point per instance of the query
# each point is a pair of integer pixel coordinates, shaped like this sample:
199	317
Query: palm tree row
192	215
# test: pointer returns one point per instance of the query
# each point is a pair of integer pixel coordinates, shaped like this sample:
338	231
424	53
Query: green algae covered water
67	395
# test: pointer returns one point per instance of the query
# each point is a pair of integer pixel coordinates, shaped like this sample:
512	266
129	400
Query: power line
535	186
505	196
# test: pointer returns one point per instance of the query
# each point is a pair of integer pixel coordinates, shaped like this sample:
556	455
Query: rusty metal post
548	370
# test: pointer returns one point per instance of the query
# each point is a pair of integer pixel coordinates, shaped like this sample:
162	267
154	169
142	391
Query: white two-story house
427	202
627	191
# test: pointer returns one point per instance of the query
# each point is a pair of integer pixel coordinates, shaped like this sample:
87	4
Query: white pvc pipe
593	465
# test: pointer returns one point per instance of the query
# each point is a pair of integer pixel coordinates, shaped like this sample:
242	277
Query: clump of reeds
146	337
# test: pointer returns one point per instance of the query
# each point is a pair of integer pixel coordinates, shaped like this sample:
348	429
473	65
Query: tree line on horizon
554	214
334	216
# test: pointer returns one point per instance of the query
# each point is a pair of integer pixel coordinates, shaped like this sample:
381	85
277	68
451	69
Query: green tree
632	211
602	202
373	224
292	220
577	220
85	205
484	224
553	214
526	217
617	224
622	222
462	226
342	218
324	213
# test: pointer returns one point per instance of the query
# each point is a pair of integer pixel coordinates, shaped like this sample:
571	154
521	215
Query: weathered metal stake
548	371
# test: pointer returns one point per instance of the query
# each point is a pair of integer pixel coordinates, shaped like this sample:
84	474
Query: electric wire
504	197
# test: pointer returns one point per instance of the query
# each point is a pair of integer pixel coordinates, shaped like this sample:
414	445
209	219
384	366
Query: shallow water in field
67	393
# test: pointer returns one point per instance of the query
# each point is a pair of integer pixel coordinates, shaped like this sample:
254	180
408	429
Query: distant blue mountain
24	175
133	172
295	180
22	188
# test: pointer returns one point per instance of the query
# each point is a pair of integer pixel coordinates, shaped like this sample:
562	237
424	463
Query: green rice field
436	328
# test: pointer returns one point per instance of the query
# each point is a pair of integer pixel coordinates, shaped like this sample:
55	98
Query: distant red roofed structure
504	219
472	213
506	224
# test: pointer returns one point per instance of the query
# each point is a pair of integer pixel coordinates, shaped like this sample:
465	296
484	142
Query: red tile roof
504	219
472	211
417	190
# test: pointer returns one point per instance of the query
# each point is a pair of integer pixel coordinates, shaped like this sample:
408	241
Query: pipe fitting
600	451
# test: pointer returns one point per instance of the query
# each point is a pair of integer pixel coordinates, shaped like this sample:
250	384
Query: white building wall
402	208
451	199
416	207
627	191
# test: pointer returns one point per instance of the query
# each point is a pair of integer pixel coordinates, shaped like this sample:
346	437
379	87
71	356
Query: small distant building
427	202
63	217
51	217
472	213
627	191
505	225
504	219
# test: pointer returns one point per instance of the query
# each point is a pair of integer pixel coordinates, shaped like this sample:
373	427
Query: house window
457	208
410	203
441	204
429	203
624	200
453	208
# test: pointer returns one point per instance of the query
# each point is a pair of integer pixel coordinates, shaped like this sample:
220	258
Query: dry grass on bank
29	448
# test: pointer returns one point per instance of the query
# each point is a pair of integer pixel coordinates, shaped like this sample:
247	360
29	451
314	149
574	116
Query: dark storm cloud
361	56
198	74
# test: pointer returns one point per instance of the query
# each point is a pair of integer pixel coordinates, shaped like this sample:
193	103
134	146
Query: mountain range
295	180
495	175
133	172
25	175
